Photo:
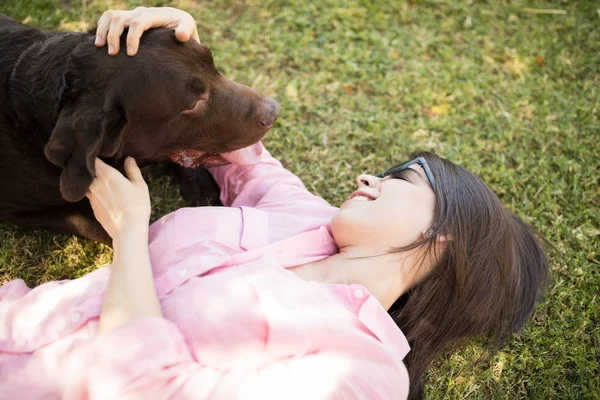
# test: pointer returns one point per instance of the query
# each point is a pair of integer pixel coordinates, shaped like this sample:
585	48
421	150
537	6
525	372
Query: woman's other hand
112	23
119	202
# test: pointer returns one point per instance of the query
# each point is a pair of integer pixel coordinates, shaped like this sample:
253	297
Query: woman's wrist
130	293
132	227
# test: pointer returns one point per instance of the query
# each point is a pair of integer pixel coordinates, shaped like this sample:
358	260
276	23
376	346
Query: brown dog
63	102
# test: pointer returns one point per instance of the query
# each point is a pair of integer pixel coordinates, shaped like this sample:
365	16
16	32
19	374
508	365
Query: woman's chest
233	320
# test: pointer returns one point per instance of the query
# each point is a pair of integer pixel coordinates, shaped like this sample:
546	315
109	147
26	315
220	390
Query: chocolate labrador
64	102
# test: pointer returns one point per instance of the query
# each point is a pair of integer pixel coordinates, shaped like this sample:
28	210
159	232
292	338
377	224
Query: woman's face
386	213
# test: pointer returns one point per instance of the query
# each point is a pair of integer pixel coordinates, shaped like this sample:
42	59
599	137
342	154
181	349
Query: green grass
509	94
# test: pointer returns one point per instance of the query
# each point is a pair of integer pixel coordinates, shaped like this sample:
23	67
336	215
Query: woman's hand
122	206
119	202
113	22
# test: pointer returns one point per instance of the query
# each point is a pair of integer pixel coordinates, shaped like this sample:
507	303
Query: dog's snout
270	113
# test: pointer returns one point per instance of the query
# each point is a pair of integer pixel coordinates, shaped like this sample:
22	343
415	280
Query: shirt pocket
255	228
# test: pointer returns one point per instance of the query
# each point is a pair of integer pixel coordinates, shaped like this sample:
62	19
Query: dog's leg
196	185
77	218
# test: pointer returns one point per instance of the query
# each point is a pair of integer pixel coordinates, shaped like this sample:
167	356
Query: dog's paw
196	185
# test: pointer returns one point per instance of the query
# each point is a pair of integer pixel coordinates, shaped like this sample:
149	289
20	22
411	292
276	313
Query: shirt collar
319	244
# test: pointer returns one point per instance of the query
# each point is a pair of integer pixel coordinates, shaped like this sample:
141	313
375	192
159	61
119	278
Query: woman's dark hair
487	277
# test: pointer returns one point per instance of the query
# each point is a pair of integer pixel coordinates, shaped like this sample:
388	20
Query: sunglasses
420	161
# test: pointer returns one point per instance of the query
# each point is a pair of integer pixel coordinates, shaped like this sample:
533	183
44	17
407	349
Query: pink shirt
238	324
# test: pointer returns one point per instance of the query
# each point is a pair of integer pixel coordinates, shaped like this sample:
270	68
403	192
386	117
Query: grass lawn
509	93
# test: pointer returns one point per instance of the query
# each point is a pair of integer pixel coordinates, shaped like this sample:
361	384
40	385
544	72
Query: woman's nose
367	180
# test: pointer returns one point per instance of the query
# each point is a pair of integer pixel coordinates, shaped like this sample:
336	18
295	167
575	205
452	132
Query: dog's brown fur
63	102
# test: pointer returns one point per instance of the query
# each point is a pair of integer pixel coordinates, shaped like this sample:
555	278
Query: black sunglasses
419	160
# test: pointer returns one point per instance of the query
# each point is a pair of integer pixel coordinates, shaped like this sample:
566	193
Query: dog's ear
82	133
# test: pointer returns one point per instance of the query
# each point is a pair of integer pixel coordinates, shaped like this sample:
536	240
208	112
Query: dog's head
168	101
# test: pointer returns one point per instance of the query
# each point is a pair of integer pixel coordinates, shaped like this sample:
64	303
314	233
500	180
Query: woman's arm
122	206
130	293
265	185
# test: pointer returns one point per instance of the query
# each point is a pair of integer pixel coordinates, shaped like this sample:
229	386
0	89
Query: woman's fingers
111	25
102	29
186	29
101	169
116	199
106	174
95	197
137	27
113	22
117	26
182	35
133	171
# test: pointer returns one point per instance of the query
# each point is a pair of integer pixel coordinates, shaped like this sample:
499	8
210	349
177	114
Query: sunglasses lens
395	171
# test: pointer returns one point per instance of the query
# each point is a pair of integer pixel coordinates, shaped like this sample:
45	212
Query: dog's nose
270	114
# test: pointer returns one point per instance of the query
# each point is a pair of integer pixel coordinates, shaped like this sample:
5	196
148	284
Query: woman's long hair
487	277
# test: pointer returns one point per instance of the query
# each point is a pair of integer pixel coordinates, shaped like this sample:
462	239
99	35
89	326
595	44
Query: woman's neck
383	275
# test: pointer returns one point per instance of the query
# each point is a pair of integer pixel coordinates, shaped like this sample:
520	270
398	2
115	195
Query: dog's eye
200	93
199	104
197	86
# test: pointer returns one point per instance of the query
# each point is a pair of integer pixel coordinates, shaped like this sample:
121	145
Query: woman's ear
444	238
438	236
83	131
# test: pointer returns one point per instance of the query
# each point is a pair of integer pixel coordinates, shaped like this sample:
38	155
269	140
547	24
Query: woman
278	295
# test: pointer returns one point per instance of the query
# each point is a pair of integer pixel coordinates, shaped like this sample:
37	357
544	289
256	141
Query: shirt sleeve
264	185
128	363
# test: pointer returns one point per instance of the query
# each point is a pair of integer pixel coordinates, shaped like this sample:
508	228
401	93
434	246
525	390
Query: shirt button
75	317
358	293
183	272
